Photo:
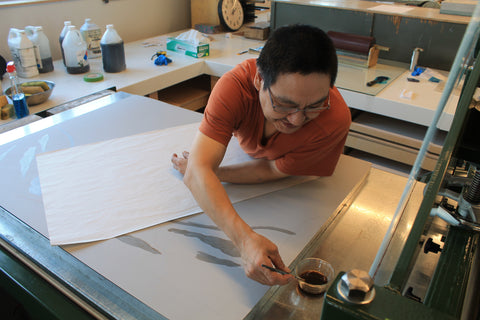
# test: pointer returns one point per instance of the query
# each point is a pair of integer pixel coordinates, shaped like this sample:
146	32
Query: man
287	114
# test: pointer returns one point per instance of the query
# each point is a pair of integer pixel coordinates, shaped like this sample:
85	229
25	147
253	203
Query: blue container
20	105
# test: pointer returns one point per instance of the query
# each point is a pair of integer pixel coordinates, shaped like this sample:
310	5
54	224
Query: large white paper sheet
106	189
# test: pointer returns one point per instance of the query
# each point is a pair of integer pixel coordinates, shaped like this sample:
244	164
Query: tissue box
188	48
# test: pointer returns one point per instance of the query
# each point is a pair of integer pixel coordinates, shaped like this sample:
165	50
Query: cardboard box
258	31
188	48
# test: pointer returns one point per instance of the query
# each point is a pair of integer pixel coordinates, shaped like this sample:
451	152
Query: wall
133	19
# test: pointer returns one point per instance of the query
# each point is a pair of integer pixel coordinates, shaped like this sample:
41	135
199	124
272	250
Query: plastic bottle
40	40
75	50
23	53
62	36
92	34
18	97
113	52
29	30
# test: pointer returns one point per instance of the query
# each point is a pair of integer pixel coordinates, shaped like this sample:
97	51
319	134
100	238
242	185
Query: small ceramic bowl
317	274
36	98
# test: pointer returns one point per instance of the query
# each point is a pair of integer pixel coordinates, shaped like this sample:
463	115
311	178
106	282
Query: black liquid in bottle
60	39
47	65
78	70
113	57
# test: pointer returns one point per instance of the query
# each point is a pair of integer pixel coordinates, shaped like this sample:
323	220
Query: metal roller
351	42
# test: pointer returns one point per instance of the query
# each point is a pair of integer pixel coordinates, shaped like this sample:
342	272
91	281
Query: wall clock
231	14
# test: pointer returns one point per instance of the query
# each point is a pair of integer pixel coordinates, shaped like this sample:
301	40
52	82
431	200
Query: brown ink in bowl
316	275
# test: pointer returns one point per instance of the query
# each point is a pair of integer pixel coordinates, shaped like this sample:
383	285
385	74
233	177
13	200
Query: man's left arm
253	171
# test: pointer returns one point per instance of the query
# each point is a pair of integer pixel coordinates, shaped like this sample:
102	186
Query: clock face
231	14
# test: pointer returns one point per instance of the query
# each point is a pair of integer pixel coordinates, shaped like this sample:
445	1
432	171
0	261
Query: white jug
40	41
23	53
75	50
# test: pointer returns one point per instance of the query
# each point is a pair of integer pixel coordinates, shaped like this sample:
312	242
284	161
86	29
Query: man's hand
180	163
258	250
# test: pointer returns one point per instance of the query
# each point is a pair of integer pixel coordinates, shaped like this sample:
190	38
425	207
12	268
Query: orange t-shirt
234	108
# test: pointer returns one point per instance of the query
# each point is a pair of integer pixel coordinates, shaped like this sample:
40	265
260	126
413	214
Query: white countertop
419	109
142	77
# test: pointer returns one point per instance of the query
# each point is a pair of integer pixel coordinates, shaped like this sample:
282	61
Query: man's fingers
262	275
278	262
268	277
174	158
273	278
186	154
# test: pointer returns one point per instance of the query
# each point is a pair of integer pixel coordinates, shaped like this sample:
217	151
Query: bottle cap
93	77
10	67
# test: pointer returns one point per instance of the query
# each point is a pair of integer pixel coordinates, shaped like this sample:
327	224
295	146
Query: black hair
300	49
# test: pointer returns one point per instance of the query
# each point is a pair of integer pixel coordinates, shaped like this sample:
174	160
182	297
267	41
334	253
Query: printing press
437	272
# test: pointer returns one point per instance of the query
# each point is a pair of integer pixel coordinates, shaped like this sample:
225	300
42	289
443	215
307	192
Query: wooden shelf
192	94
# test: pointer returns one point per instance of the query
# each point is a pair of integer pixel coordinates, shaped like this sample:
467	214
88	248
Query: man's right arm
201	178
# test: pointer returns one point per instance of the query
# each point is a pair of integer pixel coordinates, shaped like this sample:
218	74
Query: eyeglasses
291	110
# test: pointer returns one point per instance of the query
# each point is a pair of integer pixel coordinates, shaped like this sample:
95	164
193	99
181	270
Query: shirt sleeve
222	111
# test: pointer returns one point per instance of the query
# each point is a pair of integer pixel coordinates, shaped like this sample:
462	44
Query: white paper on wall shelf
106	189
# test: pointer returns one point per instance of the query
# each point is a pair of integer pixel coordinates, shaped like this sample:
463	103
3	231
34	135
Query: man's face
294	100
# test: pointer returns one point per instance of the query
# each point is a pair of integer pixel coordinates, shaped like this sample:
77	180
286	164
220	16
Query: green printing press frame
451	196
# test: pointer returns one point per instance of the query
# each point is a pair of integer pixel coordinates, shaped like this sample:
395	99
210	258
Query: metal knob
356	286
